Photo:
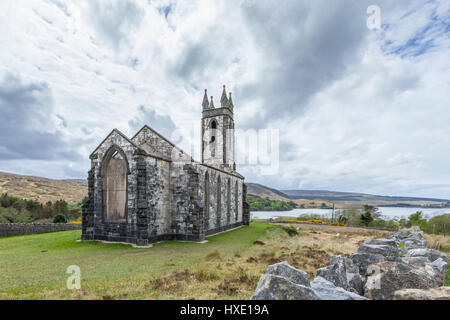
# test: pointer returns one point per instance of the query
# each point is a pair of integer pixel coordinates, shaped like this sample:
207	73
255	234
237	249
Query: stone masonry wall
166	199
12	229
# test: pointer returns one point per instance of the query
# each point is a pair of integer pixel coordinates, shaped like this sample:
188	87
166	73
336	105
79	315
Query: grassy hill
261	191
42	189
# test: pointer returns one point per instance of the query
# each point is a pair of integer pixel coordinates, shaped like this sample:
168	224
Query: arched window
219	203
206	201
213	126
236	201
115	176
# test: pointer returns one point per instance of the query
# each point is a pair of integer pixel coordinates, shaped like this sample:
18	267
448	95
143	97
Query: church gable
154	143
115	138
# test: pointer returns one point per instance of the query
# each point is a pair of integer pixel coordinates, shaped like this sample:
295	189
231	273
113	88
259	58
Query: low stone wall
13	229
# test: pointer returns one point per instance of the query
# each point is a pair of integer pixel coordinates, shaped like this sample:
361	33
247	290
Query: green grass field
34	266
228	266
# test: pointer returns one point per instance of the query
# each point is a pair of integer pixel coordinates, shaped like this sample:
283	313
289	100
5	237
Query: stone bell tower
218	132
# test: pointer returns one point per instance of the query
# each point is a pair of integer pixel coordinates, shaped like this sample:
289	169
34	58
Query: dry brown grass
438	242
236	275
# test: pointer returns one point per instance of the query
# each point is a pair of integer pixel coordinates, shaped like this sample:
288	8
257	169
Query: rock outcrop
283	269
328	291
272	287
399	267
388	277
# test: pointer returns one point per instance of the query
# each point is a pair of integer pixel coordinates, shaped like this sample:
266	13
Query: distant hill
350	197
42	189
314	198
265	192
274	194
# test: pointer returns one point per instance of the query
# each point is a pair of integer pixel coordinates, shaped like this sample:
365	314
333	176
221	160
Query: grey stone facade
13	229
167	195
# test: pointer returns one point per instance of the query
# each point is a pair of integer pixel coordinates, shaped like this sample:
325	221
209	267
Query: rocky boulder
355	283
363	260
387	277
440	266
384	250
272	287
328	291
336	272
407	233
428	253
381	242
414	243
416	261
442	293
283	269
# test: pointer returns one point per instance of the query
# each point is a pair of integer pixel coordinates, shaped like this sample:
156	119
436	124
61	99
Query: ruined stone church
145	189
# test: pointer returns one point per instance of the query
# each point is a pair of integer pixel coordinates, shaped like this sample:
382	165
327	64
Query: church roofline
123	136
162	137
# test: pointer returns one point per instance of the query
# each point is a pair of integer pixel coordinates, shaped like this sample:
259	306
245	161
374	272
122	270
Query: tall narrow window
206	201
219	203
213	138
236	201
228	201
115	184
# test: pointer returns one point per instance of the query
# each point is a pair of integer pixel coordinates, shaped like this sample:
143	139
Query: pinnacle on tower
205	103
211	105
230	103
224	100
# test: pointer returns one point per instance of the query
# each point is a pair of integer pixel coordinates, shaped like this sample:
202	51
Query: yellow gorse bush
337	224
309	221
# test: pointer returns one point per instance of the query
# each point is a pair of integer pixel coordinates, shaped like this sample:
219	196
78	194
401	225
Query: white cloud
358	110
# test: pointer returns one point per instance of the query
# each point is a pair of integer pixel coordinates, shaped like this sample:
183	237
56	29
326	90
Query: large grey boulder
283	269
328	291
429	253
383	242
387	277
411	243
335	272
407	233
364	260
440	266
272	287
416	261
442	293
384	250
355	283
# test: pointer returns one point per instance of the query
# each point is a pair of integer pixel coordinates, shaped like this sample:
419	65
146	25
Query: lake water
386	212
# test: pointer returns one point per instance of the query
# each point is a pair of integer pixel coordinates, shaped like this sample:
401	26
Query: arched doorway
115	176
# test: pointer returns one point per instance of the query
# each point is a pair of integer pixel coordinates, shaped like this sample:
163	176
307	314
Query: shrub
12	215
366	218
439	225
59	218
291	231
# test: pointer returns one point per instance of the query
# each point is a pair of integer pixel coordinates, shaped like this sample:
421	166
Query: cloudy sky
357	109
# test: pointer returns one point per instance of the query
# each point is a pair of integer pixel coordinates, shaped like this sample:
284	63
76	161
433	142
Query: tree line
16	210
264	204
